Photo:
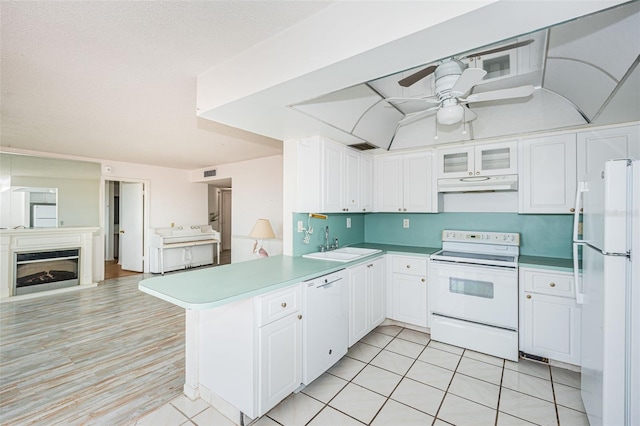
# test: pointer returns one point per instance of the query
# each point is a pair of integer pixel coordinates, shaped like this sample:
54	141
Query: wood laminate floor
105	355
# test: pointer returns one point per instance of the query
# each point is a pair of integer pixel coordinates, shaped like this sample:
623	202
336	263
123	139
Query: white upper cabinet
478	160
333	184
332	178
548	178
598	145
352	182
404	183
366	197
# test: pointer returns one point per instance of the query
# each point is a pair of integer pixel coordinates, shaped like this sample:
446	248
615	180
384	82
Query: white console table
182	247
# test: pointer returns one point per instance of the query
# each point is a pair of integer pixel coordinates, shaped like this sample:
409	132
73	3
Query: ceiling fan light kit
450	114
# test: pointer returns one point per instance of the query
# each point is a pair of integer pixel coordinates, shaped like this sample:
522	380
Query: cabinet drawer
278	304
552	283
410	265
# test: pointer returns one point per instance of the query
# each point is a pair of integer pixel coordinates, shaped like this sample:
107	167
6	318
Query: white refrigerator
609	291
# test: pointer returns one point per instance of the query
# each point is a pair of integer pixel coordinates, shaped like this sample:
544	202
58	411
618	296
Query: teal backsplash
337	223
540	235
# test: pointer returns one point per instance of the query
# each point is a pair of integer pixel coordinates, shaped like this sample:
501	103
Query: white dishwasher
326	323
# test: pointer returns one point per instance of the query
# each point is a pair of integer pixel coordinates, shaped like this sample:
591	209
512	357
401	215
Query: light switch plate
300	226
405	223
348	222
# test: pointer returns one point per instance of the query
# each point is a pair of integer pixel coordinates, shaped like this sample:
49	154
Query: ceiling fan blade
401	100
417	76
495	95
415	116
500	49
469	115
469	78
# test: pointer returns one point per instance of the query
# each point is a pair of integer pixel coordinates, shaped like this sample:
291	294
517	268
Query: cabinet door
366	183
409	299
548	183
599	145
332	189
496	159
552	327
375	272
455	162
279	361
416	177
389	192
358	302
352	181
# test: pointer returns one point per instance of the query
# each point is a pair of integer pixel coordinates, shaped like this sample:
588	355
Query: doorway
220	214
124	228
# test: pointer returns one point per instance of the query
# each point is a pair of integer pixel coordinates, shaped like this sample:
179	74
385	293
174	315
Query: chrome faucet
326	237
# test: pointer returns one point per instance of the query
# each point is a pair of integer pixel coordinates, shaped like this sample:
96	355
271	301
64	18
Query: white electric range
473	292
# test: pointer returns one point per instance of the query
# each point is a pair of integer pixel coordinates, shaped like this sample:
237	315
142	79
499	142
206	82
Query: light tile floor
397	376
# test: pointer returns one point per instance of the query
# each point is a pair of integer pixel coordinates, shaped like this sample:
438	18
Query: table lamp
262	229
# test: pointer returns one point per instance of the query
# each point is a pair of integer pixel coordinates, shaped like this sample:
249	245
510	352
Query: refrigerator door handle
576	273
582	188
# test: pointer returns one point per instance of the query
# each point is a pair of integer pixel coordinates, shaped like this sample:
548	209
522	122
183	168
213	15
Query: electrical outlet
300	226
348	222
579	228
405	223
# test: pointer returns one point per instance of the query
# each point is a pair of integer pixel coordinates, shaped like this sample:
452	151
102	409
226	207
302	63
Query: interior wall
257	193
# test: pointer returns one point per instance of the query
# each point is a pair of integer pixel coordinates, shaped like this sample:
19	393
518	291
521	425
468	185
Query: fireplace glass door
46	270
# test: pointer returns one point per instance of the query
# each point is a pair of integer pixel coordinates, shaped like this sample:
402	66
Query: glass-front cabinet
478	160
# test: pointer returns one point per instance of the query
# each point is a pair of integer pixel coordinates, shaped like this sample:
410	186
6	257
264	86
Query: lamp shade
262	229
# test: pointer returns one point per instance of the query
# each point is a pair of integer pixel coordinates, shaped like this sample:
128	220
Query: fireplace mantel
14	241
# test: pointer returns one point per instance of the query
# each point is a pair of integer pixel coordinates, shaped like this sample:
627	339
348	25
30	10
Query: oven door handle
441	263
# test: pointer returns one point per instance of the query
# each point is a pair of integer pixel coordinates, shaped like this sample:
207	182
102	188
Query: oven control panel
504	238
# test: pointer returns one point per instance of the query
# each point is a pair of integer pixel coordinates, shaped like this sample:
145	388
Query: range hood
479	183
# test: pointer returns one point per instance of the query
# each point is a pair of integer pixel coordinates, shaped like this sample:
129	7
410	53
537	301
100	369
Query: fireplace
46	270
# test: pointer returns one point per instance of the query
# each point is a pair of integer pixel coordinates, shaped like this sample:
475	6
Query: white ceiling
393	37
117	80
122	80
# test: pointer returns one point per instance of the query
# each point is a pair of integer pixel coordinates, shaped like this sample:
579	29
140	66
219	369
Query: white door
131	225
225	219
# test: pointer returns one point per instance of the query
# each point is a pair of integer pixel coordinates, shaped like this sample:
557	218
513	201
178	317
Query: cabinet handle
528	296
423	280
408	266
299	316
572	210
405	210
370	265
477	173
552	284
399	210
283	304
470	173
581	210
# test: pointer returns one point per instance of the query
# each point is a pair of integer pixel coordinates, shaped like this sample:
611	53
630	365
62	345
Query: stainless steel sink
345	254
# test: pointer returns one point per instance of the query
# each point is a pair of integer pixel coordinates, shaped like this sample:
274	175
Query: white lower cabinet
251	351
279	360
366	298
550	318
408	289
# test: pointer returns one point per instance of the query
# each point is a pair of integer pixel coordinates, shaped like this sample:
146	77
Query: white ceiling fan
453	83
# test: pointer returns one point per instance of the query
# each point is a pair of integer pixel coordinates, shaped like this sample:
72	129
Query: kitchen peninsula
234	307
